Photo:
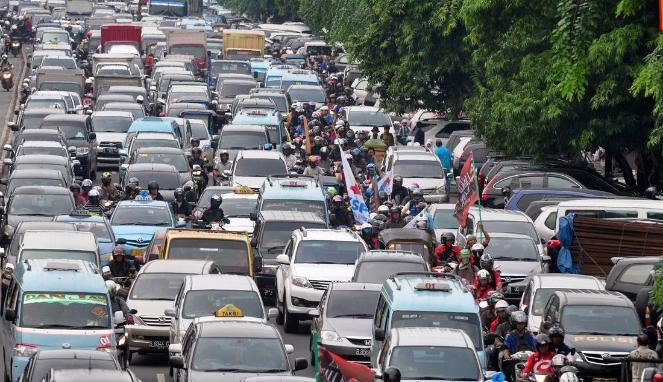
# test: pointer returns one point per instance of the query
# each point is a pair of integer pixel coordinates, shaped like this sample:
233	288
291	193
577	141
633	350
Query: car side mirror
10	315
175	348
3	181
17	111
254	217
176	361
506	191
257	264
301	364
170	312
379	334
214	144
283	259
12	126
272	313
92	136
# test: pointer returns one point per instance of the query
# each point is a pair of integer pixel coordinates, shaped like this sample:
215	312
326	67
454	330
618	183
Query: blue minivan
271	119
54	304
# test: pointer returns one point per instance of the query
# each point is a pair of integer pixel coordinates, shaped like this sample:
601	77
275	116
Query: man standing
642	352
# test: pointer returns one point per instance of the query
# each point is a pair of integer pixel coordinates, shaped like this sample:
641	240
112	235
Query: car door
283	272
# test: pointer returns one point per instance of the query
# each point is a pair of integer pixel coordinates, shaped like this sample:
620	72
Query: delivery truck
120	34
188	42
68	80
243	44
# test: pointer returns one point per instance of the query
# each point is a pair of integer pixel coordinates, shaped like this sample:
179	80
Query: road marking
161	377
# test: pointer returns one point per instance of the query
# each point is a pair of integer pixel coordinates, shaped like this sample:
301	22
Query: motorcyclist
324	163
399	194
222	165
483	288
447	251
118	304
542	353
395	220
197	159
214	214
501	315
79	201
504	328
289	156
5	64
341	213
313	169
108	190
417	198
519	339
557	363
94	202
130	191
489	314
153	188
120	266
181	206
486	263
86	186
472	238
465	269
557	345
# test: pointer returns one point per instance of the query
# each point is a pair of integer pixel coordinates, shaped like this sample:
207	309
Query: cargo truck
68	80
188	42
120	34
168	8
79	8
243	44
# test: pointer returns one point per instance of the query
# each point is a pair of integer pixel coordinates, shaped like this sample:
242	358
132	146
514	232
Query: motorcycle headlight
6	75
15	44
301	282
82	150
329	335
24	350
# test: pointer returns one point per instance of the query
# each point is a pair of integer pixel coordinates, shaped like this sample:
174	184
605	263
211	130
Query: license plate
137	252
110	150
363	352
604	379
159	344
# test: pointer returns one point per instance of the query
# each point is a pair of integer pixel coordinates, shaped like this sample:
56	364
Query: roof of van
59	240
221	282
298	188
488	214
405	295
612	203
45	275
418	336
592	297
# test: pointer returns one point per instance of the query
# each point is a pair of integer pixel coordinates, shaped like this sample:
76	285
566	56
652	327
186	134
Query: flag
660	15
423	214
467	191
334	368
387	181
357	202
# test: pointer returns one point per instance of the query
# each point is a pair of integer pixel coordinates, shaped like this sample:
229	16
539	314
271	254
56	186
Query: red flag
660	15
467	192
336	369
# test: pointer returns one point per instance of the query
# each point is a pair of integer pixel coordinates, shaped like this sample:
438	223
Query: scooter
15	47
7	79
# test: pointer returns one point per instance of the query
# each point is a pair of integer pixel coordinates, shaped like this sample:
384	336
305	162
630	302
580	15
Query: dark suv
634	277
81	140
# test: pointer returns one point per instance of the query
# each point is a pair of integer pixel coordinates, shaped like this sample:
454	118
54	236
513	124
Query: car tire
281	308
290	323
312	356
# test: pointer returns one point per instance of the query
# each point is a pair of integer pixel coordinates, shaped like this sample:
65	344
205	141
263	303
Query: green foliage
281	10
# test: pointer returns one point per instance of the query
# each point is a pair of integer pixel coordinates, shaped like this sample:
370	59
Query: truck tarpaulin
126	34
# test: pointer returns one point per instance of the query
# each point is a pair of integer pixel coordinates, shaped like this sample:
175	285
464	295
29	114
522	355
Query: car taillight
130	320
658	378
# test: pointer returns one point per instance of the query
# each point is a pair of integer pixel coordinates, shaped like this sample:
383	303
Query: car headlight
82	150
329	335
9	230
24	350
576	358
301	282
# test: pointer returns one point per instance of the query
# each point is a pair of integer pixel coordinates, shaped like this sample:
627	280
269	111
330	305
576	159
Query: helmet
501	304
134	181
106	177
383	209
398	179
337	199
112	287
511	308
494	297
477	247
519	317
568	377
197	150
153	185
448	237
332	191
216	201
483	275
87	183
559	360
118	250
650	192
93	193
75	187
4	57
380	217
542	339
486	261
417	192
140	99
392	374
556	331
179	192
464	254
223	152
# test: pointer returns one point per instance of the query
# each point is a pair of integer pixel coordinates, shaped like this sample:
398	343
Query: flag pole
476	186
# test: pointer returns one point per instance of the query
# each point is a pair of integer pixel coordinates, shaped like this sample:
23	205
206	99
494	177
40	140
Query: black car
81	140
76	375
36	203
634	277
43	361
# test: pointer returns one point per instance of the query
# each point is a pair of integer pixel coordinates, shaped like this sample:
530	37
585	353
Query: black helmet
179	192
380	217
391	374
542	339
153	185
447	237
395	210
556	331
383	196
650	192
216	201
398	179
486	261
75	187
195	140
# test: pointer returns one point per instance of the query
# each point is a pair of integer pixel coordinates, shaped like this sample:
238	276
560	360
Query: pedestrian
443	155
419	136
641	352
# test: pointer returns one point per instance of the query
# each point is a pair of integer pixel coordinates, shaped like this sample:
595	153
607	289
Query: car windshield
368	118
157	286
217	68
55	37
260	167
28	254
165	180
111	124
418	169
44	365
100	230
417	248
177	160
316	207
275	235
279	100
232	256
540	299
72	87
307	95
435	363
239	140
199	130
32	121
59	151
352	303
42	204
136	112
138	143
189	50
513	248
522	228
18	182
375	272
273	81
469	323
142	215
444	219
74	131
72	311
328	252
600	320
199	303
238	207
239	355
45	103
63	62
232	89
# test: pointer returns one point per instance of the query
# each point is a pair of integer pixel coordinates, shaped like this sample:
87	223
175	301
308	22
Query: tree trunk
626	170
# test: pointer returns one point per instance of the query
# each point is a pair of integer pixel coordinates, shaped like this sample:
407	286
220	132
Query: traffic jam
192	195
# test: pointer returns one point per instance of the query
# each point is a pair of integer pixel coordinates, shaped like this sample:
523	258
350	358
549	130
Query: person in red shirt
502	315
540	357
482	290
486	264
447	251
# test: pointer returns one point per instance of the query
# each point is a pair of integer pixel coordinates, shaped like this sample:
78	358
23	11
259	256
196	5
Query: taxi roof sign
243	190
292	183
229	310
433	286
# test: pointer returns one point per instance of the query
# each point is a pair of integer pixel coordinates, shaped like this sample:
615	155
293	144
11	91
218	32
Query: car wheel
290	323
310	346
280	306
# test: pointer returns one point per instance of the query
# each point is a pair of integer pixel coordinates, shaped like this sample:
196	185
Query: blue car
100	228
271	119
136	221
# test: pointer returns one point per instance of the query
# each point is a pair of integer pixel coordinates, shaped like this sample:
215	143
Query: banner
467	191
359	209
333	368
387	181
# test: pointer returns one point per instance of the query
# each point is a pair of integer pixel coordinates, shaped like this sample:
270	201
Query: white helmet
501	304
112	287
559	360
483	274
383	209
140	99
477	247
568	377
4	57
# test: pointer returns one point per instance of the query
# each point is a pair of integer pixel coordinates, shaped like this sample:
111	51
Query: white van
627	208
67	245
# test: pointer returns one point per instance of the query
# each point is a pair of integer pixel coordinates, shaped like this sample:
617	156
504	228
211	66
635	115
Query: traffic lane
7	100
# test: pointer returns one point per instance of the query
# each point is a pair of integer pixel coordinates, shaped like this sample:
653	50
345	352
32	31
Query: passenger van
298	193
65	245
430	300
54	304
627	208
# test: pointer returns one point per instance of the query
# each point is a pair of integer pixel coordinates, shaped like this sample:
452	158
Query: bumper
349	352
108	156
147	338
18	365
303	299
591	371
267	284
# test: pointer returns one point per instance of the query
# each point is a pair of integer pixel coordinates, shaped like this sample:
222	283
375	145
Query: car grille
508	279
360	341
117	145
156	320
138	244
320	284
597	358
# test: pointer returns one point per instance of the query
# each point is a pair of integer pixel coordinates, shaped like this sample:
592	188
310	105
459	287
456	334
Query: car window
558	182
551	220
636	274
531	182
655	215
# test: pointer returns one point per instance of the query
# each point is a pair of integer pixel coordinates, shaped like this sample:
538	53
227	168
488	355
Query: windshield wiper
54	326
91	327
499	258
158	299
230	370
269	371
276	248
358	315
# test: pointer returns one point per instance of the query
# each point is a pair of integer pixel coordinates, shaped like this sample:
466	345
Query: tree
280	10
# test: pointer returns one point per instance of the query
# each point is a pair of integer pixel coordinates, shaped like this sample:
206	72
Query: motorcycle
7	79
15	47
197	176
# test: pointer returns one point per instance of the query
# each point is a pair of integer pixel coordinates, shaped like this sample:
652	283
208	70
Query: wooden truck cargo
243	44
